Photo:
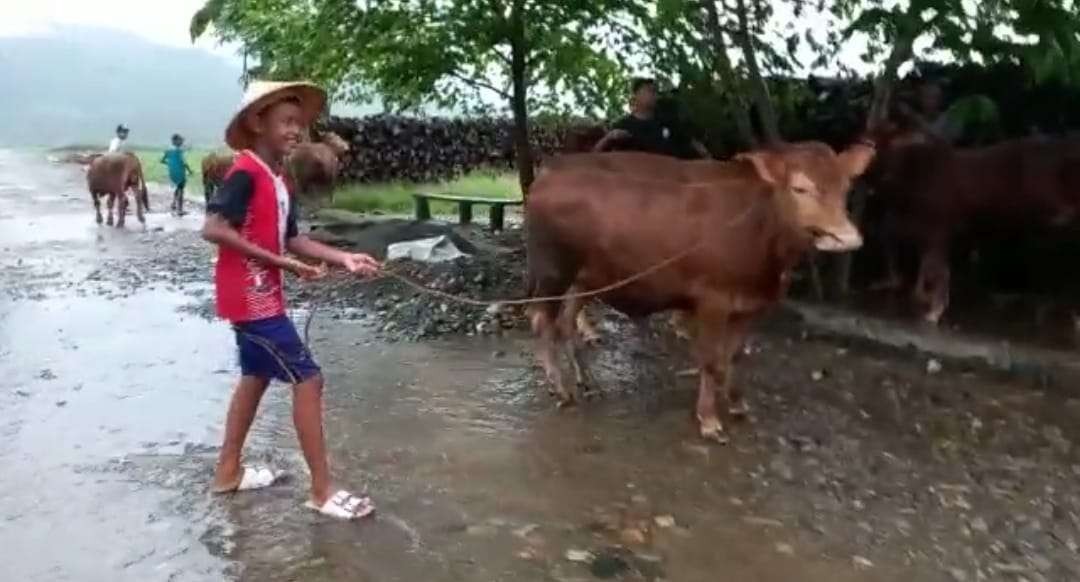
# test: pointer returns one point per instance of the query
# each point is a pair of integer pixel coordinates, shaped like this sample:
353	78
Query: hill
76	85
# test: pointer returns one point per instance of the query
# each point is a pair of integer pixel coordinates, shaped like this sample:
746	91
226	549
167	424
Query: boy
178	171
117	143
252	219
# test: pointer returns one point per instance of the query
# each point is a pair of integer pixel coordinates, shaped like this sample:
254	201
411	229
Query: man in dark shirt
642	131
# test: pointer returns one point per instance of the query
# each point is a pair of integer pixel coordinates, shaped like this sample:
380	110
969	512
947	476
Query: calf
735	241
113	175
214	168
313	166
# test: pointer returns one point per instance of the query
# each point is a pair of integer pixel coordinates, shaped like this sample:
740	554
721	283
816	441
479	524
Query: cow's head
810	184
336	143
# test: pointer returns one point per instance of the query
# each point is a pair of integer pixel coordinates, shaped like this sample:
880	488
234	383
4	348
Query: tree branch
477	83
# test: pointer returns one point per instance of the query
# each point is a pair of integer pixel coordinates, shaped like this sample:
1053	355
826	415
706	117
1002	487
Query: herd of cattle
716	241
312	167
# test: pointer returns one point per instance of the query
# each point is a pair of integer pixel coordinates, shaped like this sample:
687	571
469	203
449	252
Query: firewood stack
385	148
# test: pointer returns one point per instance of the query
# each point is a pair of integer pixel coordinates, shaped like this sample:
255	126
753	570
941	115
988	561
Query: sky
161	22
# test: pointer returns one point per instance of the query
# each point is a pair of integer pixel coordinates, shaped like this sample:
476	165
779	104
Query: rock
664	521
785	549
958	575
861	563
979	525
481	530
608	565
61	403
632	536
782	469
580	556
761	521
1040	562
934	367
817	375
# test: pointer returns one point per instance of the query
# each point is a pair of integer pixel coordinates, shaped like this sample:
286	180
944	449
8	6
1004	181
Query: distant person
117	143
178	171
642	131
252	219
929	114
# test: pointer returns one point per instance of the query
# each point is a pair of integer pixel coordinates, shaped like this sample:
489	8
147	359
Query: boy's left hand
360	264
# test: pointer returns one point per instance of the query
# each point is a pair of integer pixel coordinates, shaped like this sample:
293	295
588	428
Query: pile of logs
387	148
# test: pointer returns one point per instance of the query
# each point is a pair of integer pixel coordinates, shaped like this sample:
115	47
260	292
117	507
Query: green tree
528	56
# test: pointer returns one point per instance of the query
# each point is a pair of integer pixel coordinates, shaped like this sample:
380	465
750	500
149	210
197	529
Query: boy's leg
180	198
245	401
308	418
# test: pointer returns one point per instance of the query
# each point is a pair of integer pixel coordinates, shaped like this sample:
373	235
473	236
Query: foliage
413	52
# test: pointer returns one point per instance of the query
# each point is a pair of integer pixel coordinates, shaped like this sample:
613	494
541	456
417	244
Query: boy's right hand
303	270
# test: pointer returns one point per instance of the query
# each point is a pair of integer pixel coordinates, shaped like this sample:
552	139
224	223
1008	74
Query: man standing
642	131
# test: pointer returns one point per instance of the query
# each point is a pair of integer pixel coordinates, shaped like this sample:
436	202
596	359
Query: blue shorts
270	348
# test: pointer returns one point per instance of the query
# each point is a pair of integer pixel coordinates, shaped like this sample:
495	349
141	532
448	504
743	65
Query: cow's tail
143	192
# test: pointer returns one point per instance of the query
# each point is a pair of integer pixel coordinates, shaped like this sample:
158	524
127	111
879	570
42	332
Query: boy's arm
305	246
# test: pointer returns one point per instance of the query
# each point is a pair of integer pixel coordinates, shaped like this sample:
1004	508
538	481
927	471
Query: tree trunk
518	103
733	86
879	111
759	91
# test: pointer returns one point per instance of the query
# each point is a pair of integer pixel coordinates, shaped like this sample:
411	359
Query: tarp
429	250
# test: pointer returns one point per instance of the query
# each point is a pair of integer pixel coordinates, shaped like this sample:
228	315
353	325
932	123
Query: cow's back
648	166
109	172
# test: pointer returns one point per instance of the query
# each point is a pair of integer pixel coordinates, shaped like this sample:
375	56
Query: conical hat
260	95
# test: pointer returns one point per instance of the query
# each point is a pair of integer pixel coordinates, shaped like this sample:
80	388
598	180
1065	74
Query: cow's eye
802	191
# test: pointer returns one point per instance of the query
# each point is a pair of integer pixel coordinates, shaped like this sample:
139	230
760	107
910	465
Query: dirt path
856	464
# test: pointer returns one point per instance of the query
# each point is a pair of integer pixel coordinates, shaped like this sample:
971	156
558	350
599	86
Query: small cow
214	168
930	192
736	241
313	167
113	175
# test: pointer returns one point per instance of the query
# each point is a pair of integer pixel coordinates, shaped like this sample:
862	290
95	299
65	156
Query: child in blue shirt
178	171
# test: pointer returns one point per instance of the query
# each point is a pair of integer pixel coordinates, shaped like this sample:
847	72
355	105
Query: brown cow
313	167
113	175
931	192
736	239
214	167
643	165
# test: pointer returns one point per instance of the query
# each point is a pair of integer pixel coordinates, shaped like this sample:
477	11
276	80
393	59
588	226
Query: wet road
857	464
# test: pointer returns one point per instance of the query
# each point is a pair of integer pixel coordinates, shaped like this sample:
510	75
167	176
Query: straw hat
260	95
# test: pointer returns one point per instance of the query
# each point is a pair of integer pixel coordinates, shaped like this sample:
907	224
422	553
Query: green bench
464	203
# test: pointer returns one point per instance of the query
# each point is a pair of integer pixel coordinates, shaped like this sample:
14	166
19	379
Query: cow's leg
97	207
585	328
578	344
712	373
544	320
733	343
121	211
111	202
139	210
932	287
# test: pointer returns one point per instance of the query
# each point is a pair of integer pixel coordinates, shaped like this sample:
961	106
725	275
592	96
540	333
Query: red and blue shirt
256	201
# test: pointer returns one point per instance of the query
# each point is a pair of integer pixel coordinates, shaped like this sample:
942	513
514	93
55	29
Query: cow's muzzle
838	240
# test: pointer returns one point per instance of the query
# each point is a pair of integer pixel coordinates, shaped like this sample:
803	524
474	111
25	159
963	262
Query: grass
155	171
396	197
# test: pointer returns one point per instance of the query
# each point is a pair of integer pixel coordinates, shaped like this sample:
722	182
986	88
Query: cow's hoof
108	222
712	430
566	401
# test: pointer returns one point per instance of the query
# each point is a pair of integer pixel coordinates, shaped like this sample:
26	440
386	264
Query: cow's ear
769	166
856	159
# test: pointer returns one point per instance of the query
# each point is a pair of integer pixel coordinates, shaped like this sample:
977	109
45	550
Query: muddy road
856	464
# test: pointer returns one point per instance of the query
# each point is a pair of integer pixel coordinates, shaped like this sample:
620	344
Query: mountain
75	86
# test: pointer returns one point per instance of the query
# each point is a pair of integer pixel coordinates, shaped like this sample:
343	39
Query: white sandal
257	477
345	505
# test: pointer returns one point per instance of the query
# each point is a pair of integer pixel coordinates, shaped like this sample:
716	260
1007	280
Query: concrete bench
464	203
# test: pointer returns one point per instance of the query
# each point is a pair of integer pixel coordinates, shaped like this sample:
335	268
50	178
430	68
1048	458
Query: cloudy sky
161	22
